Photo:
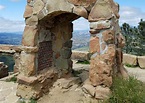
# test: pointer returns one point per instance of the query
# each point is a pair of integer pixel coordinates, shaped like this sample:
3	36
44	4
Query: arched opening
55	42
47	38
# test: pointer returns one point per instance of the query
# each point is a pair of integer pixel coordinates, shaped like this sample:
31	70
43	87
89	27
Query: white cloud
11	26
131	15
2	7
15	0
81	24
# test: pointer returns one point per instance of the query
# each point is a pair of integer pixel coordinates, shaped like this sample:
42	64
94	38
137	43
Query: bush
13	79
127	91
83	62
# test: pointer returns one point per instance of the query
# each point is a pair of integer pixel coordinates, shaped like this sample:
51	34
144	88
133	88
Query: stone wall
134	60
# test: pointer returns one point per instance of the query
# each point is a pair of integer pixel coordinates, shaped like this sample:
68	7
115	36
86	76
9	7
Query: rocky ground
63	90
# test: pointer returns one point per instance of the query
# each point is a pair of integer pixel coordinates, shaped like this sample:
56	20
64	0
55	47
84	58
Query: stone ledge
16	48
80	55
134	60
26	80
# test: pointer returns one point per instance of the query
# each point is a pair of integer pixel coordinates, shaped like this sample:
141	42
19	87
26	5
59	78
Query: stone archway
48	33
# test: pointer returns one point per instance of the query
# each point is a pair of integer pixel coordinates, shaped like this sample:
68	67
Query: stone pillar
106	58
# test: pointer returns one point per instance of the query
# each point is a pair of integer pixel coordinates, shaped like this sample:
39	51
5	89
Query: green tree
135	38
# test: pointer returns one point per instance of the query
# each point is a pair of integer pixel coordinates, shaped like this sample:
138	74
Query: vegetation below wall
127	91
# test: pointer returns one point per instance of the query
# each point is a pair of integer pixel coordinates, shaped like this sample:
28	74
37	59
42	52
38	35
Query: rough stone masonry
49	29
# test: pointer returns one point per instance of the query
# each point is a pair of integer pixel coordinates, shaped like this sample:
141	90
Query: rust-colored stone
29	36
102	10
28	12
94	45
109	36
81	11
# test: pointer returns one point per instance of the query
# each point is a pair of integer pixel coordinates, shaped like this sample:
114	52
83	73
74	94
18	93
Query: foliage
32	100
83	62
127	91
135	38
132	66
13	79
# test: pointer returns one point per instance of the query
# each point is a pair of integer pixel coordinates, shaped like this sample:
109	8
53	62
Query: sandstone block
32	21
129	59
94	45
28	11
85	3
26	80
81	11
30	36
103	24
80	55
109	36
38	5
102	93
27	63
62	5
141	61
89	88
101	11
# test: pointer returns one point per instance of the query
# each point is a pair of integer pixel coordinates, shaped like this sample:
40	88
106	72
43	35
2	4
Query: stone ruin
45	54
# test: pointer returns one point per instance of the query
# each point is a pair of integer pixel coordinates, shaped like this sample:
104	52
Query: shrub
83	62
13	79
127	91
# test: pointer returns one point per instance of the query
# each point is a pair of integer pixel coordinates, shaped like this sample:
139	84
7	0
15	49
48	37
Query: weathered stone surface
109	36
3	70
141	61
27	63
67	83
66	53
81	11
25	91
102	93
26	80
62	5
28	12
101	11
129	59
100	73
30	36
97	26
17	62
94	45
32	21
120	40
28	1
85	3
89	88
38	5
80	55
68	44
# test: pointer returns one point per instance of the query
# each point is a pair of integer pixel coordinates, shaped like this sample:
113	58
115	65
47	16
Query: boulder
3	70
141	61
129	59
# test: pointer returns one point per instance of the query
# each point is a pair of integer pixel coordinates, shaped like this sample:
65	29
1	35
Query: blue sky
11	14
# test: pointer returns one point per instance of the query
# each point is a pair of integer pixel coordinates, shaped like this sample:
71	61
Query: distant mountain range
80	38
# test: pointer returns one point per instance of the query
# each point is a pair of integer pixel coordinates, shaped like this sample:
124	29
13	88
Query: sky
11	14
